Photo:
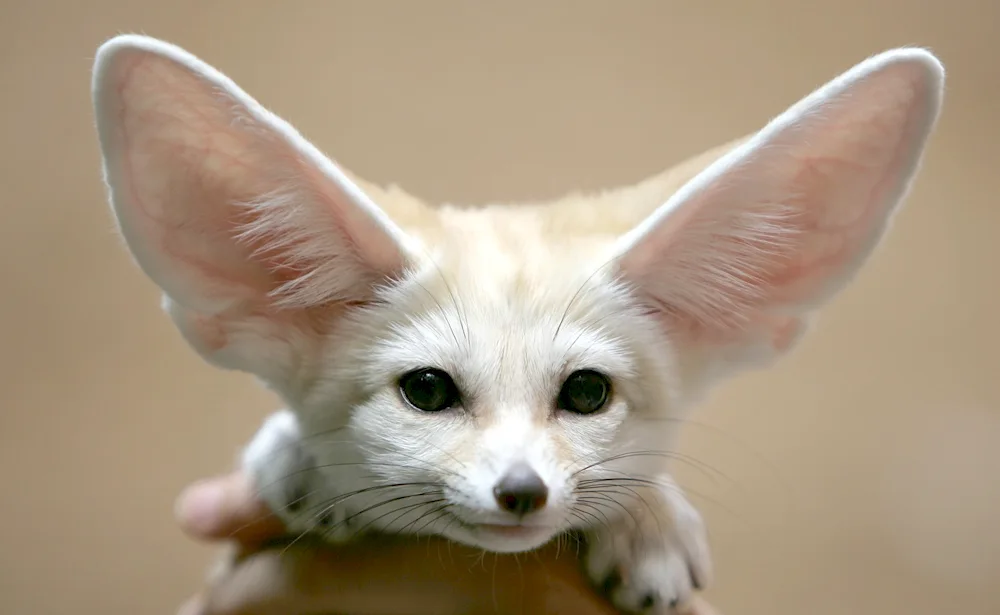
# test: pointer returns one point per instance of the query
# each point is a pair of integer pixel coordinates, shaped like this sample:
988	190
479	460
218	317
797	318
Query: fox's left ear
737	260
258	241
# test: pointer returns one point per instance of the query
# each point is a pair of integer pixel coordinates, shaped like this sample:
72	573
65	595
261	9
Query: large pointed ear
737	260
255	237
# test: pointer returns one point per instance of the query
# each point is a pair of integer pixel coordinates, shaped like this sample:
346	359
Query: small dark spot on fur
648	602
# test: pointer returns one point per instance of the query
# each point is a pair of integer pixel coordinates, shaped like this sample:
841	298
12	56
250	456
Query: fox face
503	374
500	376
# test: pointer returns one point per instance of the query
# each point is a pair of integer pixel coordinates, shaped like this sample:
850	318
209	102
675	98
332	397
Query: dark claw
648	602
611	582
674	603
297	500
695	581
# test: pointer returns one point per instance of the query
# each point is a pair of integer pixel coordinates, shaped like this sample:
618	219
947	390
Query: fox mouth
519	532
511	525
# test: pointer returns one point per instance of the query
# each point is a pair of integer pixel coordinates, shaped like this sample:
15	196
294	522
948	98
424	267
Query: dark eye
584	392
430	390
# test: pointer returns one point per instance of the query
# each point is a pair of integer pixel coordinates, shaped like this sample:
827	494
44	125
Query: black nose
521	491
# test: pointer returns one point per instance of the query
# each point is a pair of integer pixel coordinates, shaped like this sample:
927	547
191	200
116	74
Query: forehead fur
508	299
493	295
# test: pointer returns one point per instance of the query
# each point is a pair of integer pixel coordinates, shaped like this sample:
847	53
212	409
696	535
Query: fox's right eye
429	390
584	392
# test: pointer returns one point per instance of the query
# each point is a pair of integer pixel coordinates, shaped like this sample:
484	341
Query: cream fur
275	261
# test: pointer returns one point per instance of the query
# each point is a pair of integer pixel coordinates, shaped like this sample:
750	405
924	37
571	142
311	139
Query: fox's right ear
255	237
738	261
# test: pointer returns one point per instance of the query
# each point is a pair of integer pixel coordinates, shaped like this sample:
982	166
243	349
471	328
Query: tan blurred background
863	475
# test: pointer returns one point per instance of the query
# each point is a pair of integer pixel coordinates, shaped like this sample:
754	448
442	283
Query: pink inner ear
746	256
181	172
843	200
223	204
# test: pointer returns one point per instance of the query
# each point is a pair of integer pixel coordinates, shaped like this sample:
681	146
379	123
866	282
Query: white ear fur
737	260
254	236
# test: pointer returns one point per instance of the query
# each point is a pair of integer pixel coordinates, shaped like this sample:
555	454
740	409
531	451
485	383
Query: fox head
506	353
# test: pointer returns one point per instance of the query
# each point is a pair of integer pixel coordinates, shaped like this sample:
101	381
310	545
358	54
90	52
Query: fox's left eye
429	390
584	392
